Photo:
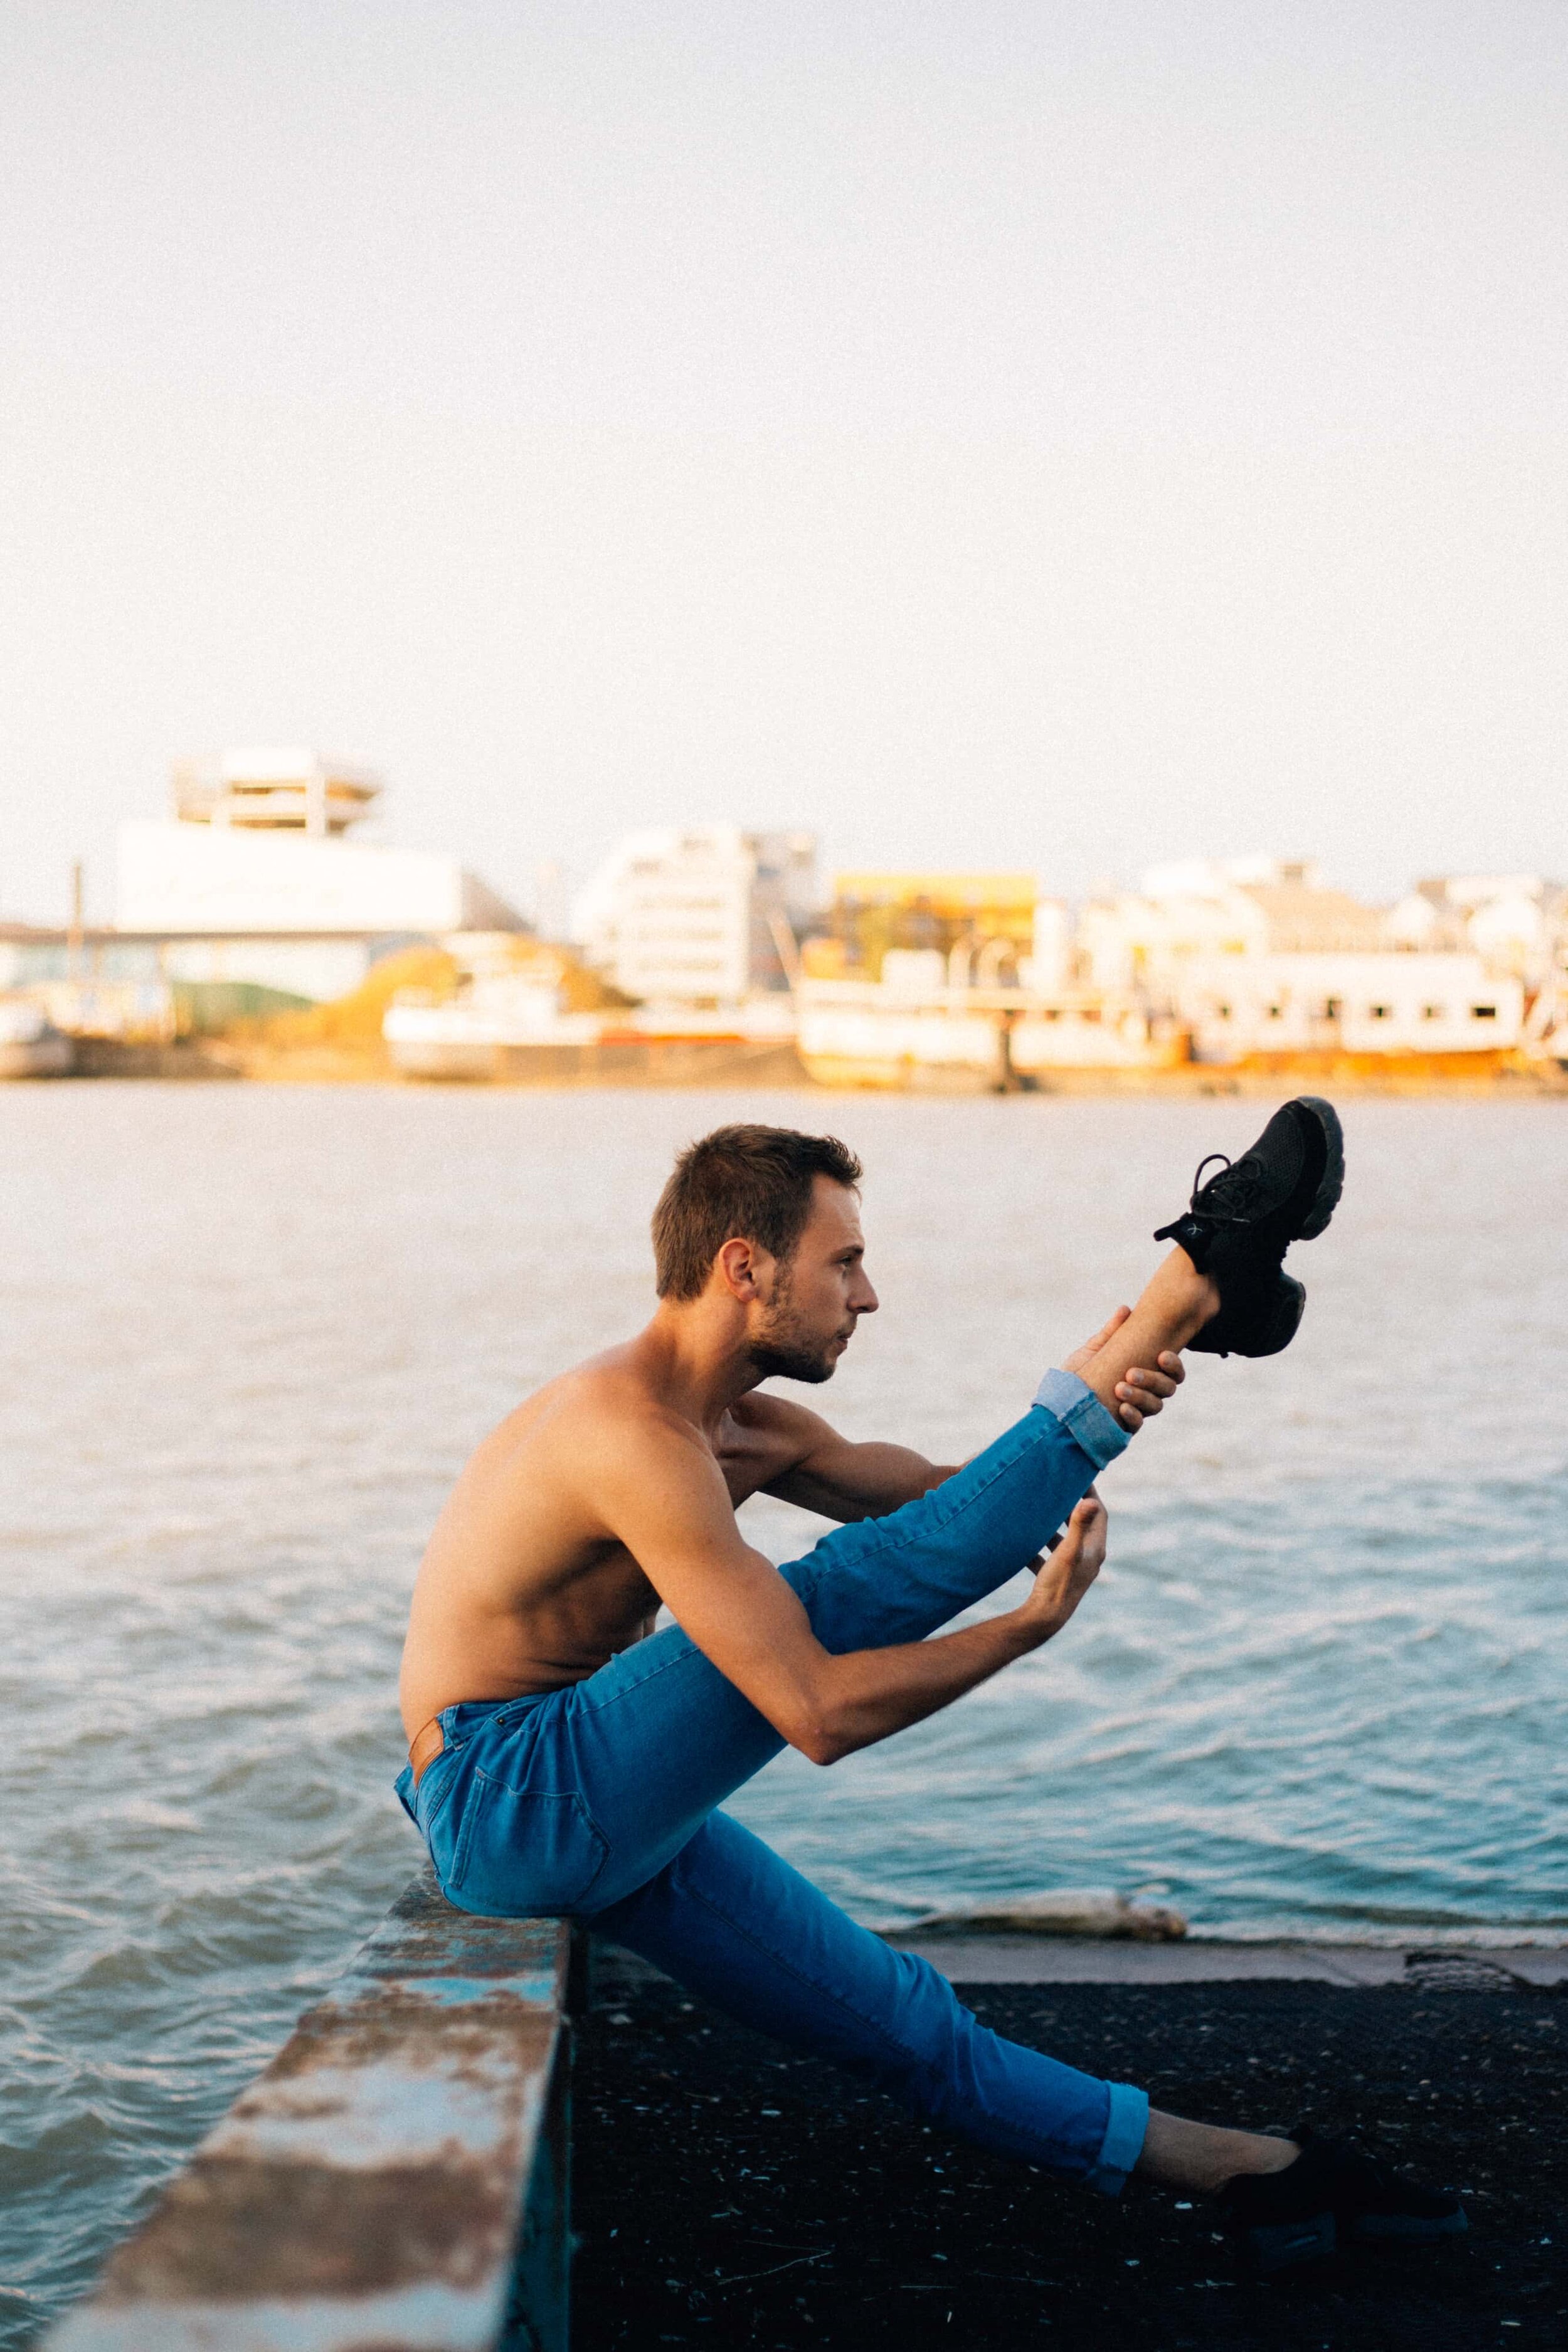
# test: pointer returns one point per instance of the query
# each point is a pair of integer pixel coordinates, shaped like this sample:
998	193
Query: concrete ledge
397	2179
1044	1960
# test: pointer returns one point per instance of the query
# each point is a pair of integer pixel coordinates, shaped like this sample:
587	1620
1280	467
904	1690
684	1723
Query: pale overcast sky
1060	434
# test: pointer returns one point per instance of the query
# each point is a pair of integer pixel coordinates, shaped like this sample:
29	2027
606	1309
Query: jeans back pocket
522	1855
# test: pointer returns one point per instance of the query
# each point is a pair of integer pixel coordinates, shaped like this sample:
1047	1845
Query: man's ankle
1187	1298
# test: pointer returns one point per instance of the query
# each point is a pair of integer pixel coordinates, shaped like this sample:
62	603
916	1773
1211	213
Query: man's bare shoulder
606	1402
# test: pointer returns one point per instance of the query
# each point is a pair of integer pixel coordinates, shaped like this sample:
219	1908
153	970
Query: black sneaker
1240	1223
1332	2192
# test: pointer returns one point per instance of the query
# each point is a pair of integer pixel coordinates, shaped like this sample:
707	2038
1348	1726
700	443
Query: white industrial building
1379	1003
251	878
1148	938
1256	956
704	915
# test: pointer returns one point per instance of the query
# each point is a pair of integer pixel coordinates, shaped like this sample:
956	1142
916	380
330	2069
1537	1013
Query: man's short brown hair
743	1183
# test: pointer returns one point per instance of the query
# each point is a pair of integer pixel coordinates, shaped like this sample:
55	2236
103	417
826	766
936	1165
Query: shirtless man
566	1759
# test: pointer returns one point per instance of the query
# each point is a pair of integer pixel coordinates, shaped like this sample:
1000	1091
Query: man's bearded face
790	1345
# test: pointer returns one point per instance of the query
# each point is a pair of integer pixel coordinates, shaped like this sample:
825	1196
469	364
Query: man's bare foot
1202	2158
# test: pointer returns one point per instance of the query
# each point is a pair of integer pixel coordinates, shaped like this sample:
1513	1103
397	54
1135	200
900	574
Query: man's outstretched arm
839	1479
659	1490
660	1493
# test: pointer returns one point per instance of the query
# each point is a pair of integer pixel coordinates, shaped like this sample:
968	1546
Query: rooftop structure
266	789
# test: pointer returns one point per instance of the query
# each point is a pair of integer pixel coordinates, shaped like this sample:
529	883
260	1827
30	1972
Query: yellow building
960	916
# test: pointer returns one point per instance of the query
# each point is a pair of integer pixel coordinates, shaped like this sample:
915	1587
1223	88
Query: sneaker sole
1407	2227
1282	2245
1290	1305
1332	1182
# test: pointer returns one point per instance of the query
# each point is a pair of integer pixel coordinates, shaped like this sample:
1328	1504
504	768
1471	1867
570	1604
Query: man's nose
865	1300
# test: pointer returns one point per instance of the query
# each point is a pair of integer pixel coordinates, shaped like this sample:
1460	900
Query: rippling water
251	1335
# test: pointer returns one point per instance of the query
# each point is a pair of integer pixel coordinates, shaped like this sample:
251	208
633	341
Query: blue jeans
599	1803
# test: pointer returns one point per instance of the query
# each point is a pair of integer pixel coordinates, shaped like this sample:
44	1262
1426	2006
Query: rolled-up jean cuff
1081	1415
1126	2128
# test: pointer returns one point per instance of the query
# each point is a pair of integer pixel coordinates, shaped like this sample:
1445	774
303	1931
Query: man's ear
738	1268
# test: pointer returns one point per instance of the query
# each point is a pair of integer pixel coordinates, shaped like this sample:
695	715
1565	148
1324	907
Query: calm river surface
251	1334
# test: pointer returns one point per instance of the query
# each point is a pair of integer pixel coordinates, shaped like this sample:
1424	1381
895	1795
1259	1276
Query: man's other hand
1076	1557
1140	1393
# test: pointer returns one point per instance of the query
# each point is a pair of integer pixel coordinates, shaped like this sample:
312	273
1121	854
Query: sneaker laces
1245	1192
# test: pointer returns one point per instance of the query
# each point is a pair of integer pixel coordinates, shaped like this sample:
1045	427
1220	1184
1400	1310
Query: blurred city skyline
985	437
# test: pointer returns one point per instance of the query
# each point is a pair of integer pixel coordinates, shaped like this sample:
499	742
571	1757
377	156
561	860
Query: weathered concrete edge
398	2176
1045	1959
1040	1959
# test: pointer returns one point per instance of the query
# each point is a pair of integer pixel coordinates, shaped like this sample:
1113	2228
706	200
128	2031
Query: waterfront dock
416	2169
